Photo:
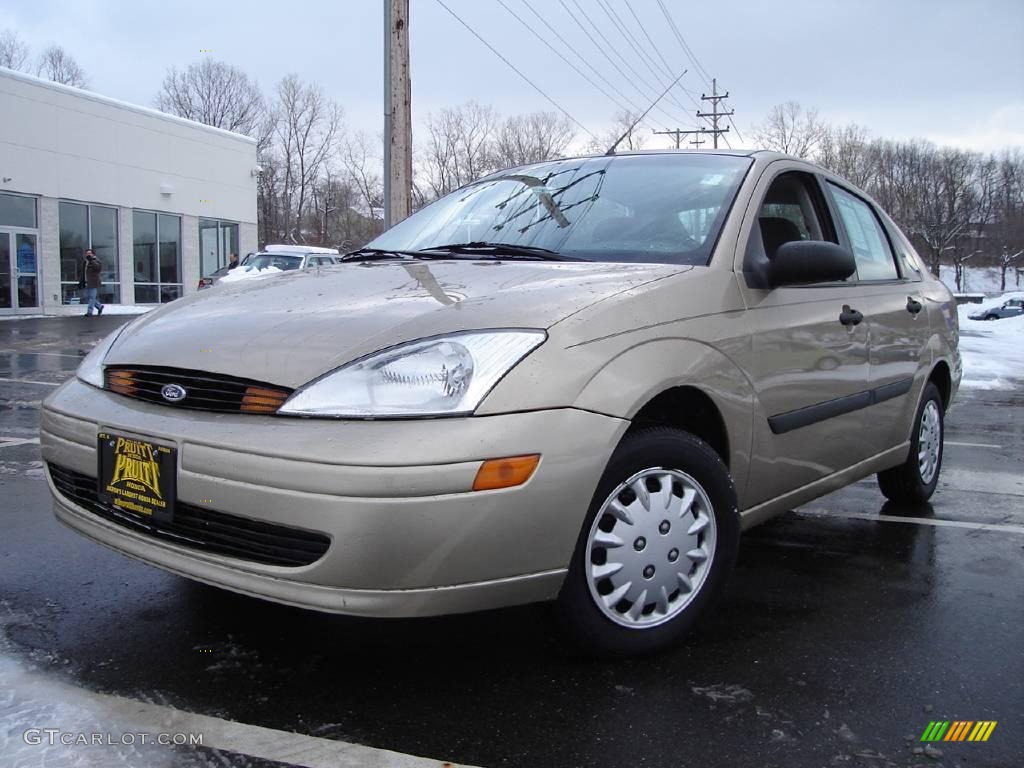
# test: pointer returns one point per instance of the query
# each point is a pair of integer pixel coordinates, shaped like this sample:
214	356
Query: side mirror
800	262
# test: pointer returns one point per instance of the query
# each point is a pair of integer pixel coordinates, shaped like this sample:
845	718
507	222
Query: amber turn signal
262	400
505	473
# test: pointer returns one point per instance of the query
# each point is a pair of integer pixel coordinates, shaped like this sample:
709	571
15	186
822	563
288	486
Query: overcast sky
947	70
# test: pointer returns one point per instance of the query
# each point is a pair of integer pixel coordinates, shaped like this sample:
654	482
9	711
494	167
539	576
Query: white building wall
61	143
125	255
190	252
49	253
248	239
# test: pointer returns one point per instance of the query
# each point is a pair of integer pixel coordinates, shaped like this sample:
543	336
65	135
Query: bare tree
847	151
305	132
948	207
791	129
13	51
214	93
459	146
634	138
363	167
57	65
532	138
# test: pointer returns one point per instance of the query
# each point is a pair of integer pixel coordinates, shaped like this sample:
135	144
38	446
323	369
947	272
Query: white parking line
971	445
31	381
29	352
35	695
10	442
915	520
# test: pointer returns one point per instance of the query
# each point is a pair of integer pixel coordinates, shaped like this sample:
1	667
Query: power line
640	78
633	43
693	59
516	70
560	55
586	62
682	41
657	50
608	57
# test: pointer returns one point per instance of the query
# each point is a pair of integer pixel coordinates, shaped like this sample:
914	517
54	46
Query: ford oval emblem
173	393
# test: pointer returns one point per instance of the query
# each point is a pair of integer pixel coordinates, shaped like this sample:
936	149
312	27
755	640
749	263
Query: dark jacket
92	273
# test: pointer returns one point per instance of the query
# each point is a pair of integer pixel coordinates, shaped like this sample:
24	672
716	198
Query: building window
157	256
88	226
217	241
17	211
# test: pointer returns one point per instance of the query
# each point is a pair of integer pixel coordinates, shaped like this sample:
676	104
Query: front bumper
408	536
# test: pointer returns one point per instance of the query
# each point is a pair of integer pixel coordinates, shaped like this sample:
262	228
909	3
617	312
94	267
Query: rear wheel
656	549
914	481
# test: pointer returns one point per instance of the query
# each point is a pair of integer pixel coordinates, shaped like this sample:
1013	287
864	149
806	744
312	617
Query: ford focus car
576	381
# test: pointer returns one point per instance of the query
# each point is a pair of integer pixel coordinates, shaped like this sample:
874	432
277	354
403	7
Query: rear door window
866	237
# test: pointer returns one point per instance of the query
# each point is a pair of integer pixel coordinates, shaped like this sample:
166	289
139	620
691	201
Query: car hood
291	328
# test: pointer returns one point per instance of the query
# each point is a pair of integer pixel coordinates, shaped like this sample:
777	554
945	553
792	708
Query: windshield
278	260
661	208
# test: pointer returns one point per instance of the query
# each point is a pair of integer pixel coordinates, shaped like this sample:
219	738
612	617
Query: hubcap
650	548
929	442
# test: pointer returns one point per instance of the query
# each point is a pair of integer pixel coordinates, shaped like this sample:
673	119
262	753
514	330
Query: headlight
91	369
445	376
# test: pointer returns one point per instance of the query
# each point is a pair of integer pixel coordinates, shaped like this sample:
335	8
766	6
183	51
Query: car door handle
913	305
850	316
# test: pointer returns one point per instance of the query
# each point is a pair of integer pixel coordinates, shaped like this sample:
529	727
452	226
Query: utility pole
397	113
678	134
714	114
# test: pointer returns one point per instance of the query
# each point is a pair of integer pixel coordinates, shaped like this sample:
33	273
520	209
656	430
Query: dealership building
161	200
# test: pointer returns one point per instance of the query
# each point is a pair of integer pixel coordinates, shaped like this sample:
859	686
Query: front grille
203	391
201	528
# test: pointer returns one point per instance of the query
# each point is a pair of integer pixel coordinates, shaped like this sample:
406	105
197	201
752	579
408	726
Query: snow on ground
248	273
978	279
992	350
108	309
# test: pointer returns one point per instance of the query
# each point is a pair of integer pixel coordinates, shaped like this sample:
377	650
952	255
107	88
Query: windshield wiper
501	250
371	254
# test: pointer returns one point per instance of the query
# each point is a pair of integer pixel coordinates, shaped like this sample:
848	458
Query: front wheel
914	481
657	546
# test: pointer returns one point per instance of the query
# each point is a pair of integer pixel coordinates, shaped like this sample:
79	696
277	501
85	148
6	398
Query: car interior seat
775	231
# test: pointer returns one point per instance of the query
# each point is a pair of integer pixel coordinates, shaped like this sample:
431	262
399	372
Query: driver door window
792	209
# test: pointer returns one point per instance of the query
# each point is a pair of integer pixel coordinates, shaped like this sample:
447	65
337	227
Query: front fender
634	376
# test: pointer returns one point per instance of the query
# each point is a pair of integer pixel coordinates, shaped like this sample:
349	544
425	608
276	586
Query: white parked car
274	259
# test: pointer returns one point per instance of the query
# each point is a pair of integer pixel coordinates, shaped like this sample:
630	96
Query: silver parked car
1010	308
574	381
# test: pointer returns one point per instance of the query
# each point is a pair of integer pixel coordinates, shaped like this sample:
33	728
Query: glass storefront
19	249
85	226
156	249
217	241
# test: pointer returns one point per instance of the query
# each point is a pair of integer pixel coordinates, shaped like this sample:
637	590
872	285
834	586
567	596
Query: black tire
904	484
644	448
991	317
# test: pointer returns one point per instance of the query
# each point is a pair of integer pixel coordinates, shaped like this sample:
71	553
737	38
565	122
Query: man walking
93	267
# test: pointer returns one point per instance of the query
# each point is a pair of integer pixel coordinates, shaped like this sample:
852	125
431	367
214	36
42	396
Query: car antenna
611	149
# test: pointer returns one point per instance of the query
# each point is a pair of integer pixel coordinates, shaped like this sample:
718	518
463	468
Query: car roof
299	249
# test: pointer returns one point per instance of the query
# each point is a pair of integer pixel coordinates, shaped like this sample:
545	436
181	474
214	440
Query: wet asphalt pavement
839	639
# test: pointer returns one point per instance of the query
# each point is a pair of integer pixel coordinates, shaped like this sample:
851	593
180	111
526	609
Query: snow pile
125	309
992	350
978	279
247	273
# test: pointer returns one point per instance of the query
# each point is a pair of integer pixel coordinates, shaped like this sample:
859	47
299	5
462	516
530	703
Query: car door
893	306
808	354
